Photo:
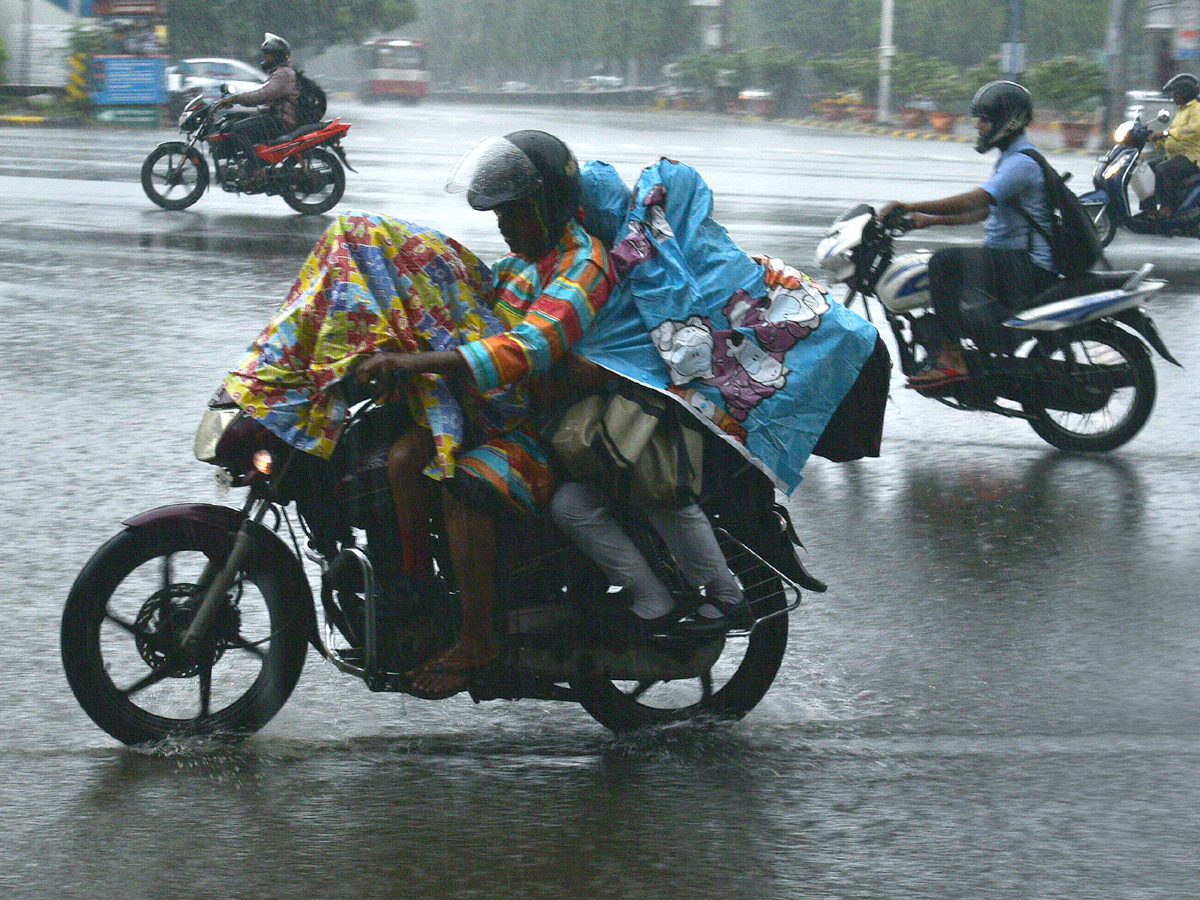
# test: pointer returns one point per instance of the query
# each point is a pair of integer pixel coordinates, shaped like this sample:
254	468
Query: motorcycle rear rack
754	573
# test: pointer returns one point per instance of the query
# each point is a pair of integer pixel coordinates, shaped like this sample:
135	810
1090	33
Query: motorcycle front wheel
1106	229
174	175
122	643
315	182
1097	391
734	685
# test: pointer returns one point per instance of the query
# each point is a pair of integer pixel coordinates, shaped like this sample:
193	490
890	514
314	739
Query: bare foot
448	673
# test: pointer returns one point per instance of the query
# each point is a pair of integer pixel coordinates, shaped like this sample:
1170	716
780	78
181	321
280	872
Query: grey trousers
581	511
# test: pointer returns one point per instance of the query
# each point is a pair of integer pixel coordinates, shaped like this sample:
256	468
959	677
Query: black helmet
275	51
1009	109
1184	85
519	165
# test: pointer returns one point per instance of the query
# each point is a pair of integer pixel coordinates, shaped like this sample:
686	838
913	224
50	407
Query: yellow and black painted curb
886	130
921	134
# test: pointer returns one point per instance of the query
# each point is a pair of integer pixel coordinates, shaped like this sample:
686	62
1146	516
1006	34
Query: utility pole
1115	66
25	61
1013	52
886	52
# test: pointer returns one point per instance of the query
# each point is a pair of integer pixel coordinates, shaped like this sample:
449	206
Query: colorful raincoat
374	283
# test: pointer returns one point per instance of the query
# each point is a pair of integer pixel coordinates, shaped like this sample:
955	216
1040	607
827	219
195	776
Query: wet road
996	698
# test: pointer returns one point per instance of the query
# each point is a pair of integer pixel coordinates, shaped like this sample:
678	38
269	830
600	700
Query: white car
205	75
1148	103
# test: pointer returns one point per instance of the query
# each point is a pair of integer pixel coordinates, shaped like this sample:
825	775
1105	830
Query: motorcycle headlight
263	461
1122	132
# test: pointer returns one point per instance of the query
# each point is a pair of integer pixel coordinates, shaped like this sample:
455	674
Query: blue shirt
1017	184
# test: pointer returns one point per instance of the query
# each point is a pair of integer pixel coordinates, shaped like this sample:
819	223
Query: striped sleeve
554	322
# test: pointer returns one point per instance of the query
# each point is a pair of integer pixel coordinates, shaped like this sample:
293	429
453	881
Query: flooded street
997	697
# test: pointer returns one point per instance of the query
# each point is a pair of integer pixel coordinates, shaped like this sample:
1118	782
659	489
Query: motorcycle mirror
1164	115
226	89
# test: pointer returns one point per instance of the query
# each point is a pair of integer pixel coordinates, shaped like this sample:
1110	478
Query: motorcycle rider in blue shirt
1014	262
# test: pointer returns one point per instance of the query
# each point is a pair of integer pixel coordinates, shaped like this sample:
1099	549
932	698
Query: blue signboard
128	80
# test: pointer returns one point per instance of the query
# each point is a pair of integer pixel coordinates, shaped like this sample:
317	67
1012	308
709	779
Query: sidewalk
34	119
1045	134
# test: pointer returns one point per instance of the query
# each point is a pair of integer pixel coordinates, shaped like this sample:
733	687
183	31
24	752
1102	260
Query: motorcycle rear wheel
173	166
734	686
121	645
1119	383
316	184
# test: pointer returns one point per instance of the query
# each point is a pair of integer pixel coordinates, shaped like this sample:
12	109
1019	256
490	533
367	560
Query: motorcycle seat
298	132
1189	184
1091	283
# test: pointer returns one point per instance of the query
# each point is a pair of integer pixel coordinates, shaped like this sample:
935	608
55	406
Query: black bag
1073	240
310	106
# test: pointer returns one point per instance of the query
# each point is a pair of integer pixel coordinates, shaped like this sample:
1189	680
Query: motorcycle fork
216	579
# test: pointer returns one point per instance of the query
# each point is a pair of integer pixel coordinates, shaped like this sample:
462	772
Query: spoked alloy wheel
315	181
124	655
1099	391
174	175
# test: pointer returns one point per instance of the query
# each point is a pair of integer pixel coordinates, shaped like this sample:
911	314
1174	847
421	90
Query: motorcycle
1074	364
1124	182
195	619
306	167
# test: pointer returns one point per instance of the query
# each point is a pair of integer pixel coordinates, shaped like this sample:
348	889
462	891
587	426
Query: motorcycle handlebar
897	221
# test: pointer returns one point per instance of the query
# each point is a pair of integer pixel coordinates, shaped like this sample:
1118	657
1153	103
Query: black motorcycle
195	619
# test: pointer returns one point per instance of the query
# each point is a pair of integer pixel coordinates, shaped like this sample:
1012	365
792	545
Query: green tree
3	60
198	27
1069	84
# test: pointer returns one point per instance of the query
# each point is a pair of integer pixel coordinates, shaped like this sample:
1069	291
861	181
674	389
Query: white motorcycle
1074	364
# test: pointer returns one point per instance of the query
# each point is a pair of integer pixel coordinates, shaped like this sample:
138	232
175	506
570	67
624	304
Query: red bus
394	69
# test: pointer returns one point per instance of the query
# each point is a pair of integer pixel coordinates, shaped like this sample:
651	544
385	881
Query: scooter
1125	183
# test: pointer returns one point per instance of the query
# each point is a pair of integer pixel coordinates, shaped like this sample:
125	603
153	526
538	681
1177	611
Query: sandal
936	376
442	678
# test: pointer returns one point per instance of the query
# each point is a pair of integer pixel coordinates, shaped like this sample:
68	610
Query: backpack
310	106
1074	243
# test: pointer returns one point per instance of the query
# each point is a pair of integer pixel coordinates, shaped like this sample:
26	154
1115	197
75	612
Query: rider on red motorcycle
276	99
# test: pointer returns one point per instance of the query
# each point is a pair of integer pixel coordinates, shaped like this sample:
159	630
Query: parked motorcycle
1125	184
195	619
1074	365
306	167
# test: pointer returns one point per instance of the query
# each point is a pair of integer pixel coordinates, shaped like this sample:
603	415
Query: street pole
886	52
1014	50
1114	57
25	45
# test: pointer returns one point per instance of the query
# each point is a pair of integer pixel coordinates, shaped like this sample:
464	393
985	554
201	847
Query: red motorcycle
306	167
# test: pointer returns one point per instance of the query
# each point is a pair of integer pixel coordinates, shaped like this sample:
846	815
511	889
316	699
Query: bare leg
472	538
412	494
411	490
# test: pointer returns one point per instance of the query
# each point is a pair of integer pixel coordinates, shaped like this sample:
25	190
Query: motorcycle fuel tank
904	285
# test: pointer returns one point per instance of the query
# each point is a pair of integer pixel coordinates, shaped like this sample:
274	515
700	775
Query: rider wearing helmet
276	101
1014	262
1181	142
547	292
